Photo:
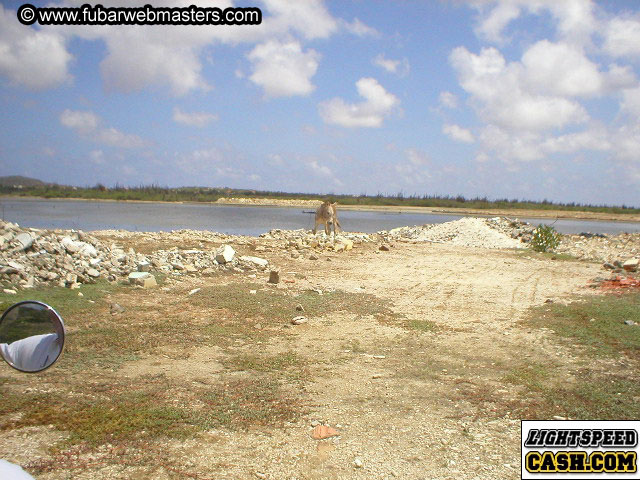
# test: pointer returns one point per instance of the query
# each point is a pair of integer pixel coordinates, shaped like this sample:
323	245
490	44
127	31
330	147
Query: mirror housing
31	336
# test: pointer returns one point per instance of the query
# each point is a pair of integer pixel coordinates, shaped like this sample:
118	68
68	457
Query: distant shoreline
289	203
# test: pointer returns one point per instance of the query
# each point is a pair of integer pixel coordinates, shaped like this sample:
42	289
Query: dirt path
420	395
410	404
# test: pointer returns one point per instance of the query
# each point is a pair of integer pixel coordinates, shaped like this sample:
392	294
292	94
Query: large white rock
74	246
631	265
25	239
225	254
261	262
144	279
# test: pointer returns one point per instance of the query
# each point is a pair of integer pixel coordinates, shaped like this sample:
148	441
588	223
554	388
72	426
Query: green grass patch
243	403
422	325
65	301
597	322
599	392
270	306
263	363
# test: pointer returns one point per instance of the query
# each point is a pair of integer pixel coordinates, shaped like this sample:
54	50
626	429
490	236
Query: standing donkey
327	213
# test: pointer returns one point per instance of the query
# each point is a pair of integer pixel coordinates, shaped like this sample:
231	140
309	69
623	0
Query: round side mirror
31	336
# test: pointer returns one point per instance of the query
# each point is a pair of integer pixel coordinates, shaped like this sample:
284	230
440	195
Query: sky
518	99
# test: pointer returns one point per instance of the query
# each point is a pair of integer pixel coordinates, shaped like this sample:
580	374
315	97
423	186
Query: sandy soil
407	404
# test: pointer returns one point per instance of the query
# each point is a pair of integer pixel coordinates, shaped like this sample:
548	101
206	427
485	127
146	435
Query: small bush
545	238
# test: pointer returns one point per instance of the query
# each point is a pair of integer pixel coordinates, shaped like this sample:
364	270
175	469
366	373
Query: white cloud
631	102
413	172
575	21
320	169
491	27
377	104
561	69
35	59
82	122
448	99
622	37
283	69
593	139
115	138
193	119
309	18
417	157
501	95
144	56
525	146
359	29
400	67
88	125
458	133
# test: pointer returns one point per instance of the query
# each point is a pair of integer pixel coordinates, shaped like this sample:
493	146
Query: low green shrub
545	238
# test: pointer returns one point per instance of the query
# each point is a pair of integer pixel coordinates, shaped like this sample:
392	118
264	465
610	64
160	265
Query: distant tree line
158	193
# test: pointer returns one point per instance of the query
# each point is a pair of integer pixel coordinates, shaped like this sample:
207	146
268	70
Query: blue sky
520	99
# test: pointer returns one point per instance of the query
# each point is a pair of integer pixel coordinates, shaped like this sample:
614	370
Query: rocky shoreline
32	257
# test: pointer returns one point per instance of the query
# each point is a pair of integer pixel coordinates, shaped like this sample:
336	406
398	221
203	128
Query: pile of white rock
31	257
468	232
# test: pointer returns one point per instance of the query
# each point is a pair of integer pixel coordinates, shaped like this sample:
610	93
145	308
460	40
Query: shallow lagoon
235	220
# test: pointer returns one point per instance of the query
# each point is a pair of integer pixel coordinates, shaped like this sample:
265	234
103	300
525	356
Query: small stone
144	279
260	262
253	292
548	300
260	475
225	254
258	326
15	265
274	276
384	248
320	432
80	294
313	257
608	266
92	272
299	320
190	268
10	291
629	322
631	265
315	423
144	266
116	309
25	239
195	290
299	308
357	462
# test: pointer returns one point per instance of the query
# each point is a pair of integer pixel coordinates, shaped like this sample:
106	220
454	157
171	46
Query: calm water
153	217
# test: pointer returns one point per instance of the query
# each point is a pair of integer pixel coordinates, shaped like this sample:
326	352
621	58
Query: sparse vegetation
545	238
595	392
206	194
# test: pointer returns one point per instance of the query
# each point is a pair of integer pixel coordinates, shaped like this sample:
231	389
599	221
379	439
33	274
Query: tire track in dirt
413	416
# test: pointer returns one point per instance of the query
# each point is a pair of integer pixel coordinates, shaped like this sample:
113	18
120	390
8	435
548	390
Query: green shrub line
206	194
